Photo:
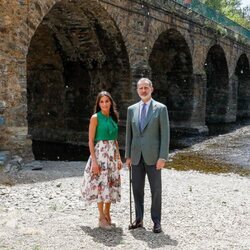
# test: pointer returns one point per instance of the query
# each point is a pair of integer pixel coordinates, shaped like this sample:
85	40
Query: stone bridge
56	55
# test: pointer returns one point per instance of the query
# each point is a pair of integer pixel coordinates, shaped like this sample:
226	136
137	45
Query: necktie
143	116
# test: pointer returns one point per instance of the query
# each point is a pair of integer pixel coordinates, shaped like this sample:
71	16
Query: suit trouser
138	180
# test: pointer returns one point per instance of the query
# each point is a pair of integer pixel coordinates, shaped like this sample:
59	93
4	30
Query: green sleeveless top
107	128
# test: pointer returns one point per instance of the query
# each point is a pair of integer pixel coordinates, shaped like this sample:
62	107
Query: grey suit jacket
153	141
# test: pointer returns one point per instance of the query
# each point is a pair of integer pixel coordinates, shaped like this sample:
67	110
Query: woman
102	181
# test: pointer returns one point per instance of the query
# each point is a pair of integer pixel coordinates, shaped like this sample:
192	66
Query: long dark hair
113	111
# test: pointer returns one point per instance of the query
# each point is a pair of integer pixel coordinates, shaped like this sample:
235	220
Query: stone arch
217	90
171	66
158	28
75	52
242	71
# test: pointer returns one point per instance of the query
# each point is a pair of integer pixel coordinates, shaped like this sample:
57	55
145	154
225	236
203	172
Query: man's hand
160	164
128	162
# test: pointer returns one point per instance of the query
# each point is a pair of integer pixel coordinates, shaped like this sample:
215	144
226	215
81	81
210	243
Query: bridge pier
14	137
194	123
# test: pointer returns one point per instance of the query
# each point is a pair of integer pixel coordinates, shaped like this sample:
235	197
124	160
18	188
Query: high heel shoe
103	223
109	220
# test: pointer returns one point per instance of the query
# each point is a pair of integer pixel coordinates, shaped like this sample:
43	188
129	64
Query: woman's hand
119	164
95	168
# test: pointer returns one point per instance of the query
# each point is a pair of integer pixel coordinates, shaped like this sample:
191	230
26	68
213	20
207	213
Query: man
147	147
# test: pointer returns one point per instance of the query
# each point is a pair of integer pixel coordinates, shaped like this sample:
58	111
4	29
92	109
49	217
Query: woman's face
105	104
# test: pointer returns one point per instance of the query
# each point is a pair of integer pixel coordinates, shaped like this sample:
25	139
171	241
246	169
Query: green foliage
231	9
215	4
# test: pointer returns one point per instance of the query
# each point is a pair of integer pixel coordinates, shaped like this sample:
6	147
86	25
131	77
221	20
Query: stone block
2	106
2	120
4	157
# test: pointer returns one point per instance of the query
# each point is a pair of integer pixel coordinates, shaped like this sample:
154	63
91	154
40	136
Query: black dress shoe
157	228
136	224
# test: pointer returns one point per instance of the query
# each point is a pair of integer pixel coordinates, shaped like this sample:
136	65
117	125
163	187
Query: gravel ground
44	210
233	147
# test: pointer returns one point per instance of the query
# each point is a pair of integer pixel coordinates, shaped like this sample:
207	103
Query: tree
246	12
231	9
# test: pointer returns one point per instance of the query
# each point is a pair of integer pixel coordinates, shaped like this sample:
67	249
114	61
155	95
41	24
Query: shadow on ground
109	238
115	237
153	240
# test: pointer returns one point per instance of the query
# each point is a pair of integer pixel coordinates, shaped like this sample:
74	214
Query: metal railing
215	16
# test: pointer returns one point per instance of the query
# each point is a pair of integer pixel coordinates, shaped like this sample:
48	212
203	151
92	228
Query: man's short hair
145	80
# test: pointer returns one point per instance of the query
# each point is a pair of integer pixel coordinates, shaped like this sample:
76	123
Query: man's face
144	91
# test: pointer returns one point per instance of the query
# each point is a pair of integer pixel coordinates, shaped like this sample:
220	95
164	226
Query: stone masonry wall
110	44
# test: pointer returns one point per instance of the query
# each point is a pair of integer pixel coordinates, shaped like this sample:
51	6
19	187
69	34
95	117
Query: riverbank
200	211
41	206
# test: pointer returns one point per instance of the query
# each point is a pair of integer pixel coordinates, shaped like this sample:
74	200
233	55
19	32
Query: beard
145	97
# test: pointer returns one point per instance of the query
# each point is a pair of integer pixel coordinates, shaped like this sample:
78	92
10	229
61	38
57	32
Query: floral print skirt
105	187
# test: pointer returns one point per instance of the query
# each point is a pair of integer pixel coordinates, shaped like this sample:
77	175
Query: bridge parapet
213	18
217	17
